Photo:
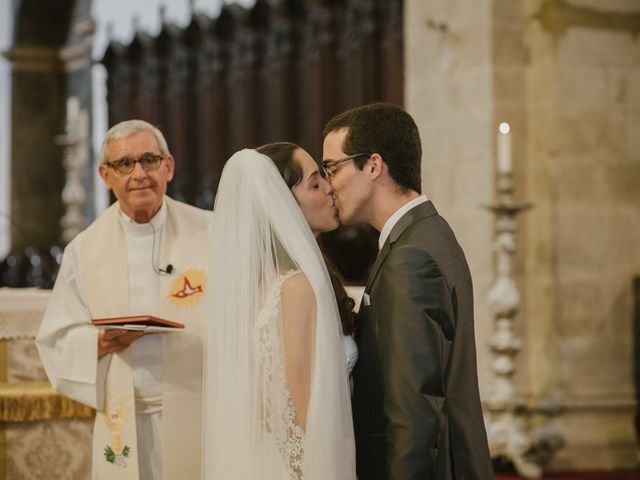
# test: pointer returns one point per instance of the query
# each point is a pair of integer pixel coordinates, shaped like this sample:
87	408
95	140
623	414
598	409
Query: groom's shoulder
431	233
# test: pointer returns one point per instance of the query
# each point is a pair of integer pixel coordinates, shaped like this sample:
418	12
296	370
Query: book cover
136	320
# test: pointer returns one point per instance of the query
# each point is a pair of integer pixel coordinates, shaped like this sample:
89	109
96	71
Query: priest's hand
115	340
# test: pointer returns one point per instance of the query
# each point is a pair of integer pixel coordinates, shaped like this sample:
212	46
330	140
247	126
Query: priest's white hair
126	128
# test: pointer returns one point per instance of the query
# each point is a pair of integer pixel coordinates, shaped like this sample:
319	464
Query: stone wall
566	75
448	90
582	172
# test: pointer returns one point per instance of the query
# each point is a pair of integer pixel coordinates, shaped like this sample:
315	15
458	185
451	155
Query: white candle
504	148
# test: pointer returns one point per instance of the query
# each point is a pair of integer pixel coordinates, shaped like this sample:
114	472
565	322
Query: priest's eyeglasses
148	162
327	165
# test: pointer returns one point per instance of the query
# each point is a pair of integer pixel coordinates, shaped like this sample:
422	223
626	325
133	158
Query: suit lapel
418	212
386	248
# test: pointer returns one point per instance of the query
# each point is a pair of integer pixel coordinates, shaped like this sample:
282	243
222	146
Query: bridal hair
282	154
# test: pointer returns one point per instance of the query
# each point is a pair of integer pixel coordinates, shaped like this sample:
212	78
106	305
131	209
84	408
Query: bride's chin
334	225
329	227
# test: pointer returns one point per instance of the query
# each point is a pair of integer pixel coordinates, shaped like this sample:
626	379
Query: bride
313	194
277	398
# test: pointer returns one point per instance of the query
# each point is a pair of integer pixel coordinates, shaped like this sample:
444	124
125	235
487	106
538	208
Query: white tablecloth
21	311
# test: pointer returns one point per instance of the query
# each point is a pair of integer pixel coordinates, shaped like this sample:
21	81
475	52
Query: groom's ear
375	166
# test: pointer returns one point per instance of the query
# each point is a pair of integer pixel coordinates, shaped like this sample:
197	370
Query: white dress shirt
398	214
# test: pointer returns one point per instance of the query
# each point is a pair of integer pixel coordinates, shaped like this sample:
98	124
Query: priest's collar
157	221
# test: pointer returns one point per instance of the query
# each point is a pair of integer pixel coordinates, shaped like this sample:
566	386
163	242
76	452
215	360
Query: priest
145	255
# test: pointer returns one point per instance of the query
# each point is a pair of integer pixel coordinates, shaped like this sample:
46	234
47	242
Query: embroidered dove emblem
188	290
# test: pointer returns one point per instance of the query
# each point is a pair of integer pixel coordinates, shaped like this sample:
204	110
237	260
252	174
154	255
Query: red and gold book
139	321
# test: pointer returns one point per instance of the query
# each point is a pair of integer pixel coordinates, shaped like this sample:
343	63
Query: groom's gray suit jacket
416	406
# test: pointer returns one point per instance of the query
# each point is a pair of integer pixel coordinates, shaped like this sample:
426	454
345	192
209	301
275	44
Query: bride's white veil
258	234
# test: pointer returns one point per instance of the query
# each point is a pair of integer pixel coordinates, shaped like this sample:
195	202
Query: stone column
37	105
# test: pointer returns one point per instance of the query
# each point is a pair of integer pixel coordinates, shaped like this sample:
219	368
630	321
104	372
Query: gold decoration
3	451
3	432
27	402
3	361
115	420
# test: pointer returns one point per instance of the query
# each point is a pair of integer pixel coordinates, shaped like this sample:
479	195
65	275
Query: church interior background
548	213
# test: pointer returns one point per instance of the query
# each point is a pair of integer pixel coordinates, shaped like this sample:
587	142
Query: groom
416	406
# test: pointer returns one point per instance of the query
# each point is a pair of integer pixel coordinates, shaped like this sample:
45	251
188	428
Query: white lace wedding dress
251	428
278	411
351	352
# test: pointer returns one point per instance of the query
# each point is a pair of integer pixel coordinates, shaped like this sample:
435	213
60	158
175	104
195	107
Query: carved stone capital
34	59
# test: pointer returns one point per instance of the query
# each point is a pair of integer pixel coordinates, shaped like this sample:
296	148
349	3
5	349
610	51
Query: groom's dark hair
387	130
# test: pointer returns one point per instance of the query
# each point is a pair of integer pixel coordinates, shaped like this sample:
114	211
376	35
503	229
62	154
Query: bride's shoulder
288	291
297	291
295	282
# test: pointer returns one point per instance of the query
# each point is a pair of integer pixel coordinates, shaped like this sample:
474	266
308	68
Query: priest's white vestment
148	398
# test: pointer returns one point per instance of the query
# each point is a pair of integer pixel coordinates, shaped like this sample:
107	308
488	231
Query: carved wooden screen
258	75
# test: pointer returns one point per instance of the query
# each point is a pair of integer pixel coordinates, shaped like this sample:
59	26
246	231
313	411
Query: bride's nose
328	189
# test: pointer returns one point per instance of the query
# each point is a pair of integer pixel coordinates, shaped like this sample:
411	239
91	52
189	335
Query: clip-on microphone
166	270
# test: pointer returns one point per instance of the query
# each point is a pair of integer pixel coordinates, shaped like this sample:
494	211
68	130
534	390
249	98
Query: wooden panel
277	115
259	75
316	74
118	82
210	112
148	97
391	48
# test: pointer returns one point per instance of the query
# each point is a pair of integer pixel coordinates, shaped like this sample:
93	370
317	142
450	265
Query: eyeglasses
327	164
147	161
